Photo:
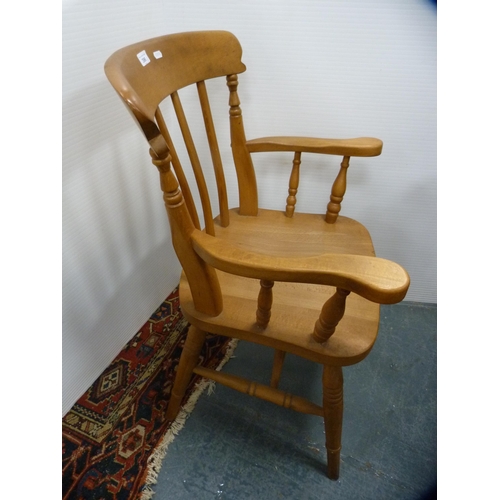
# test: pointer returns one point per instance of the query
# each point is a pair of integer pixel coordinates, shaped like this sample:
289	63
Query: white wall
314	67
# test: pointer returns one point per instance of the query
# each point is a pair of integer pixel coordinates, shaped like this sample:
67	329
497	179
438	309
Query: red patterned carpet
118	426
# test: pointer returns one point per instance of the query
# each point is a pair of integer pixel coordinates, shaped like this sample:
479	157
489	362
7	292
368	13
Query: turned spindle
293	185
234	100
338	191
264	303
247	183
331	313
172	195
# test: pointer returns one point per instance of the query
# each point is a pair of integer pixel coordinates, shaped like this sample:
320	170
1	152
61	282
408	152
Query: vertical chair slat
214	151
195	163
179	172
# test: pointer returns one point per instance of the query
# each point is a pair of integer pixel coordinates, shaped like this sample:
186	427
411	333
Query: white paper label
157	54
143	57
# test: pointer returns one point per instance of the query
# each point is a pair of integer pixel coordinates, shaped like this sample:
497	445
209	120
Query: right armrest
375	279
362	146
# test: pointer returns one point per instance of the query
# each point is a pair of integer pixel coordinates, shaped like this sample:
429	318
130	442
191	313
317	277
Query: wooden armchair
300	283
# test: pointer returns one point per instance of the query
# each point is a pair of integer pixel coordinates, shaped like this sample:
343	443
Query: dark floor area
237	447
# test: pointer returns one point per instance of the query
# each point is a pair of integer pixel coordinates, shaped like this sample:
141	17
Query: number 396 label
143	57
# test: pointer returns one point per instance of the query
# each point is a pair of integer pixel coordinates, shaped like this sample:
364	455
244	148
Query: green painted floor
237	447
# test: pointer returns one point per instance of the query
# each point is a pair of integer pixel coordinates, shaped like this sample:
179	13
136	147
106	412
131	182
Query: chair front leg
189	359
333	407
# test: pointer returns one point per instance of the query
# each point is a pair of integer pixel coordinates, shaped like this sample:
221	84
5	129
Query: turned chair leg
333	406
189	359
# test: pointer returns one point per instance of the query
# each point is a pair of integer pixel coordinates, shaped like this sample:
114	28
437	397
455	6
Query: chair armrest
377	280
362	146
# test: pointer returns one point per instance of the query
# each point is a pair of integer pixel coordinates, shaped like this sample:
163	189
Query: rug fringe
158	455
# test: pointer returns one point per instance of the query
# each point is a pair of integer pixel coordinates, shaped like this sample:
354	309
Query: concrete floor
237	447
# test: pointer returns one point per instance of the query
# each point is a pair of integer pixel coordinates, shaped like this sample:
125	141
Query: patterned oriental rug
116	435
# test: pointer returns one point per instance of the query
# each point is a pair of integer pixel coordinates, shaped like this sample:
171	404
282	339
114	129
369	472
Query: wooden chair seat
299	283
296	306
302	235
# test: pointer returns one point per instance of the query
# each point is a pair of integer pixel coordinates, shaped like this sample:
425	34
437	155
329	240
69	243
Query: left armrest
375	279
361	146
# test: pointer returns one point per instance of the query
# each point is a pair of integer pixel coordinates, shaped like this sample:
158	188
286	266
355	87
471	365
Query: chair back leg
189	359
279	358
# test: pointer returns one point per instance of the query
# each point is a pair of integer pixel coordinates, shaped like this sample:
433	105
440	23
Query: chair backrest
145	74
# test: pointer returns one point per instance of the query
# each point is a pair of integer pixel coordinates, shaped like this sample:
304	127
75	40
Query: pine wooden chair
296	282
